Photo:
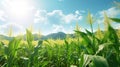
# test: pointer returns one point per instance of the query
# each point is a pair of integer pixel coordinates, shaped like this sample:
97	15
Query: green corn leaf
105	38
40	42
66	42
94	61
11	52
82	60
29	38
113	35
89	33
45	63
13	46
102	46
84	36
99	61
92	35
116	19
114	38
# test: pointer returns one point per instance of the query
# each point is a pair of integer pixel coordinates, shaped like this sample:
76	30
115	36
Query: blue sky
50	16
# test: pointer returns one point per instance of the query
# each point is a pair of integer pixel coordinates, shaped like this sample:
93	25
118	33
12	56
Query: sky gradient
50	16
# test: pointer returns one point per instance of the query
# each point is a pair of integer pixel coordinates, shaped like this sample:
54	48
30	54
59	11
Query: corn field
87	49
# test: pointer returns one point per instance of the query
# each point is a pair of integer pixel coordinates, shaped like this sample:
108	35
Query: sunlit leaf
116	20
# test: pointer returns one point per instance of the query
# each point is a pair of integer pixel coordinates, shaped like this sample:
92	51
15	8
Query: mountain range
54	36
58	35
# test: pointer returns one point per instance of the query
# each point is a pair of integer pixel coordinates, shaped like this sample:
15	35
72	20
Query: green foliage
116	20
98	61
11	52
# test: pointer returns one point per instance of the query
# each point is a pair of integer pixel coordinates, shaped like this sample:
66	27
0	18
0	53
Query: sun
18	8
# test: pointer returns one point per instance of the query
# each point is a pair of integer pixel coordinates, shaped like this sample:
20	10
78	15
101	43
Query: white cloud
69	18
61	28
57	20
15	28
40	13
82	11
40	16
2	15
56	12
58	28
111	12
77	12
72	18
116	25
99	21
56	16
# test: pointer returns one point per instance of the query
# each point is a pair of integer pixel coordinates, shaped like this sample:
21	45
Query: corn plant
11	52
